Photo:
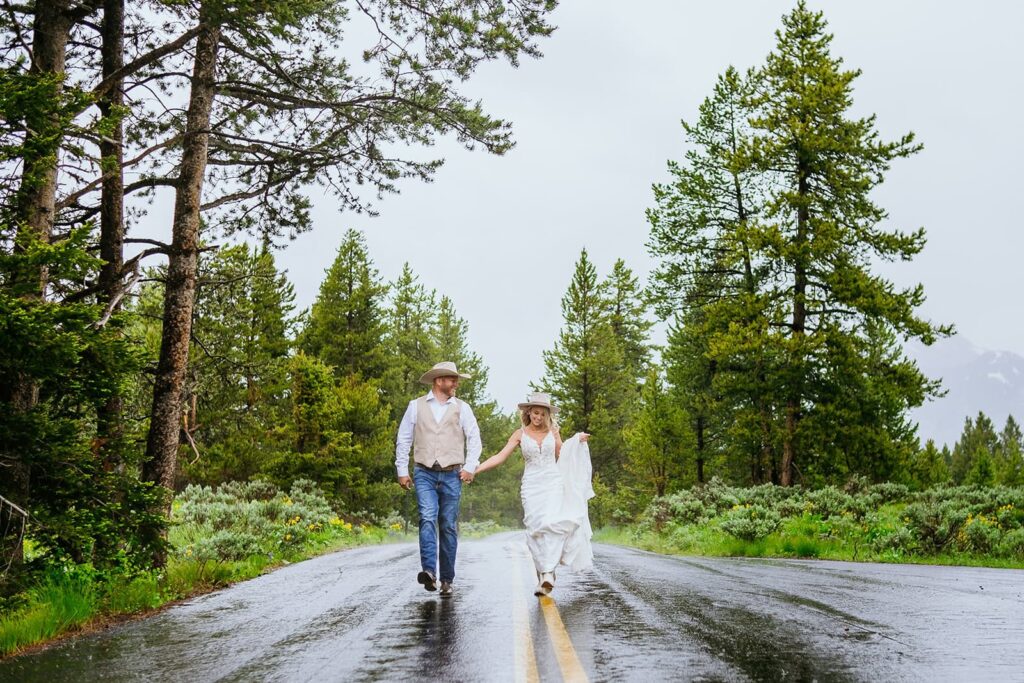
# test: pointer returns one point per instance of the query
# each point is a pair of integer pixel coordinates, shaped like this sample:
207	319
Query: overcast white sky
598	117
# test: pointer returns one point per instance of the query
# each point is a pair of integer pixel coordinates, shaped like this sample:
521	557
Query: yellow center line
568	662
526	662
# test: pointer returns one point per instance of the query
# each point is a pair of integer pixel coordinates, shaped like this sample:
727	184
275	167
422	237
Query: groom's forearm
403	443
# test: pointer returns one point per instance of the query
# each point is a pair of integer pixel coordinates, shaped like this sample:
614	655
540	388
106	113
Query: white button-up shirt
408	427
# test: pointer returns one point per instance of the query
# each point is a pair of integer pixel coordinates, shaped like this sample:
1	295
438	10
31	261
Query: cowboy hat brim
429	376
531	404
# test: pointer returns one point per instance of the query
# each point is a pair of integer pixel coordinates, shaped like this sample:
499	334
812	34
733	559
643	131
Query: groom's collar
431	397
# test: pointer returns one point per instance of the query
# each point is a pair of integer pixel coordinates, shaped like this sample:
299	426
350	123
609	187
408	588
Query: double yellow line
526	660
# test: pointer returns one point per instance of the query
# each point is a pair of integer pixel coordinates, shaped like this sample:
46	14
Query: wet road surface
359	615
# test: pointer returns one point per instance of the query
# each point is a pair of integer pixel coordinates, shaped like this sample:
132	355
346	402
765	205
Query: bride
555	489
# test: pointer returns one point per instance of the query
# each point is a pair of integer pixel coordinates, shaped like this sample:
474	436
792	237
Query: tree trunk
37	196
112	205
798	327
767	455
700	449
179	298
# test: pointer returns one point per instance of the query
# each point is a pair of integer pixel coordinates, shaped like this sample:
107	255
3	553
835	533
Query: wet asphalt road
359	615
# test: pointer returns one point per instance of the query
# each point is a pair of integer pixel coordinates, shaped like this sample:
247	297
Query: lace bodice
540	455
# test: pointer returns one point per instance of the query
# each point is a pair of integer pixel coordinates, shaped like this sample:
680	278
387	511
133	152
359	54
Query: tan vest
443	443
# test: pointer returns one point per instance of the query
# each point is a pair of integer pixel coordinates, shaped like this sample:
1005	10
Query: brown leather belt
436	467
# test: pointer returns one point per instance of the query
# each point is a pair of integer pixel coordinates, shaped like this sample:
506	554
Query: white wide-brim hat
540	400
442	369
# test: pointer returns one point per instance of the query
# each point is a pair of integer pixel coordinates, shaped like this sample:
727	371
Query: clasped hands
406	482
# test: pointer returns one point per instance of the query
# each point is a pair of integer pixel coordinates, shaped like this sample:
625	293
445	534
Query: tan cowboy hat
442	369
540	399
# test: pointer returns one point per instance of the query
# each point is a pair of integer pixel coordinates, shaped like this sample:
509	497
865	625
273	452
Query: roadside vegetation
946	524
218	536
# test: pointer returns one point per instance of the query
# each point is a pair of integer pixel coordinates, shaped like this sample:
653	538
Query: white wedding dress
555	496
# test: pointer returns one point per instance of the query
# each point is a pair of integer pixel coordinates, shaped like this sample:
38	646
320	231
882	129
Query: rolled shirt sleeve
471	429
404	442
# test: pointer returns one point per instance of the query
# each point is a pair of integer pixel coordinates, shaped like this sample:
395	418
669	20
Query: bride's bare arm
500	457
558	443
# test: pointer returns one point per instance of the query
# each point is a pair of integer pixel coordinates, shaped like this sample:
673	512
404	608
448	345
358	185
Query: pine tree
983	470
345	327
234	398
709	282
861	396
690	374
584	372
1010	461
820	230
658	439
627	319
339	435
977	436
409	340
450	340
928	467
627	315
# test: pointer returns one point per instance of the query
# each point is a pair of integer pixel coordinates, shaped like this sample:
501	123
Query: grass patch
58	604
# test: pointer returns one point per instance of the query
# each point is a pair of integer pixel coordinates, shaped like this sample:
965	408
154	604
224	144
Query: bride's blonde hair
549	419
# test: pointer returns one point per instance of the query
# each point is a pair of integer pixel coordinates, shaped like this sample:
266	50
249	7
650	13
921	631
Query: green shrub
480	528
717	496
888	492
935	524
831	502
900	539
750	522
794	506
768	495
806	547
979	534
687	509
1011	544
226	545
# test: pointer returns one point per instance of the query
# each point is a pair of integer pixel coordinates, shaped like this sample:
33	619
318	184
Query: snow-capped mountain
976	379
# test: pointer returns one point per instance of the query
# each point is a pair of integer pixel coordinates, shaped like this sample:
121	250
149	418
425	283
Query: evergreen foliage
658	439
983	456
345	326
410	341
85	503
786	341
594	370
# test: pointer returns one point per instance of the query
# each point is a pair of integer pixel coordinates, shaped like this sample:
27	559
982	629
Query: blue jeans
438	495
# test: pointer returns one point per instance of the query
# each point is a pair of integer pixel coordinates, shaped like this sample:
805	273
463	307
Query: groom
445	441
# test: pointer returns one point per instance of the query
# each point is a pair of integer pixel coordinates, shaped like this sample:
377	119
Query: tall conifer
409	338
346	327
820	230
